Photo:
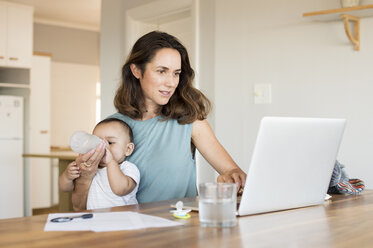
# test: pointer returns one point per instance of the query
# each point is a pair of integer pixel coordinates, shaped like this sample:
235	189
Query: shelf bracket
355	39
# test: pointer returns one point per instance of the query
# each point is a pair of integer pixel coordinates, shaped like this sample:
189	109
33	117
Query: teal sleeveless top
164	158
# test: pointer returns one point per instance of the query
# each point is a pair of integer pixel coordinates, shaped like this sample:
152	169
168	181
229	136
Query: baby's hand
72	171
108	156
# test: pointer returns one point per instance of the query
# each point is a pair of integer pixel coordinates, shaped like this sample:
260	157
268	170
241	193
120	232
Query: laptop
291	165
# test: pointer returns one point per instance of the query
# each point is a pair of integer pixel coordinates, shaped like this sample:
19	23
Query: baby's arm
66	180
120	184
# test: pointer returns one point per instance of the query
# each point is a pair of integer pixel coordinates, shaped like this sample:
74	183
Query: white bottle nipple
82	142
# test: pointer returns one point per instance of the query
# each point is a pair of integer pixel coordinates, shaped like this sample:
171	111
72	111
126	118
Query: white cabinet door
20	36
16	35
40	172
11	179
3	33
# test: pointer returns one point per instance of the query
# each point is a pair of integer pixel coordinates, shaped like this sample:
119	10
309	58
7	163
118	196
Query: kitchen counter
64	155
64	158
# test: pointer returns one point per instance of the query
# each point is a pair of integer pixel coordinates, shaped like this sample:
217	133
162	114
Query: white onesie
100	194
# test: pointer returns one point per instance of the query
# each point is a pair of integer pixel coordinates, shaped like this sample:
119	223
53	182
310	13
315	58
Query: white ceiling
84	14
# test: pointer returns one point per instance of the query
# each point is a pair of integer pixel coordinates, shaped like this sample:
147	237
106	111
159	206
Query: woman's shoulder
120	116
117	115
157	121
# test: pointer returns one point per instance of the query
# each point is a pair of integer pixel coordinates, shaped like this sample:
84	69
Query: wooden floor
39	211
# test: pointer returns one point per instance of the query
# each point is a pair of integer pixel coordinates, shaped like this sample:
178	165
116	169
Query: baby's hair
123	123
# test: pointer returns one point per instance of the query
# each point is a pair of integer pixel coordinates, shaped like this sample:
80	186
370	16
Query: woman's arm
88	164
208	145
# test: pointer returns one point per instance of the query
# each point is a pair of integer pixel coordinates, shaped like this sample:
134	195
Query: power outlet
262	94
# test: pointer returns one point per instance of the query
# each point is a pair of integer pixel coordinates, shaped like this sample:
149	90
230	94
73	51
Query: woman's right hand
88	163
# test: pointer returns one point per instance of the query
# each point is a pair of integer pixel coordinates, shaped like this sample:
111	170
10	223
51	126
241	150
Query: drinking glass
217	204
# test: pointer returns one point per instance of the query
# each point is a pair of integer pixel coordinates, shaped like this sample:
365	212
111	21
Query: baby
116	181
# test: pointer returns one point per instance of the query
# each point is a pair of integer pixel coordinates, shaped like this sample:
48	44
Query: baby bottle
82	142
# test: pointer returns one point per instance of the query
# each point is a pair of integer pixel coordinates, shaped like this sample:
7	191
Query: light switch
262	94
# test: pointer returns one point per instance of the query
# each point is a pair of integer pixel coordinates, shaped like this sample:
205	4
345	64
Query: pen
66	219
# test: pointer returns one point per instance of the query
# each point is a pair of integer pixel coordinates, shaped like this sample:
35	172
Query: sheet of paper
111	221
74	225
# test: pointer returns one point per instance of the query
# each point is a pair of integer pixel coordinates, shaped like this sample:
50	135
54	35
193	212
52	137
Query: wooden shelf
351	14
13	85
335	14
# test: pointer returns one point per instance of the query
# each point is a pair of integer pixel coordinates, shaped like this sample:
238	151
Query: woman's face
161	77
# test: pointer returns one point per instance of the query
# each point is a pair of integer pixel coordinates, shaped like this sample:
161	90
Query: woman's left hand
236	176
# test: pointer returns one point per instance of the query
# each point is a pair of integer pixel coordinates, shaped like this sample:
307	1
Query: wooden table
64	158
343	221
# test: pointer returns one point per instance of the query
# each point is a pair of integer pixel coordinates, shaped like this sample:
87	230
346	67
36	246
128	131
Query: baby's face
117	137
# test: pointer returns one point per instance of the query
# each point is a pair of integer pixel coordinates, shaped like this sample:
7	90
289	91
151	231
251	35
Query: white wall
66	44
70	109
312	67
204	14
183	29
73	97
112	49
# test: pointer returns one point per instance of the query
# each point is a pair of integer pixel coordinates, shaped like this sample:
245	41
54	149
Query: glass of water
217	204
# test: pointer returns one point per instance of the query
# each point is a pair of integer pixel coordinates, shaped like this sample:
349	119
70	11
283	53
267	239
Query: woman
168	118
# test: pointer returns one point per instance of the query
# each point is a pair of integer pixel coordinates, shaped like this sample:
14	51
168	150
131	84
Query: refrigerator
11	161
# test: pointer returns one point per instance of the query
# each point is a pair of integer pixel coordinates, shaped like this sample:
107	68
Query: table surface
343	221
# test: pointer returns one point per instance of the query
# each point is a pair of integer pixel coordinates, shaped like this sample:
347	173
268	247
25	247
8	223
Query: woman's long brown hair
186	105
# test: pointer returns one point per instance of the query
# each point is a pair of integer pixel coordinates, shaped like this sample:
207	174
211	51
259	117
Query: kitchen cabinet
40	169
16	35
14	78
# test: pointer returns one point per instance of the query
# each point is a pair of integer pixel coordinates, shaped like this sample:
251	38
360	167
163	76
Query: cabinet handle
43	131
13	58
1	57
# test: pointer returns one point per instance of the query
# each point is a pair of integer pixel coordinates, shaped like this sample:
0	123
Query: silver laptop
291	164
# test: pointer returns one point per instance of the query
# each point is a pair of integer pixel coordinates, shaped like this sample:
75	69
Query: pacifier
180	212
